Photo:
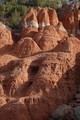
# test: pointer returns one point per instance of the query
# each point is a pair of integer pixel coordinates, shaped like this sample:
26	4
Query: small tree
15	19
40	3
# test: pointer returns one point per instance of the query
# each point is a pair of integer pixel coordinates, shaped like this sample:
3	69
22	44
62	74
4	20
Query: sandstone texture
41	83
40	68
5	36
70	18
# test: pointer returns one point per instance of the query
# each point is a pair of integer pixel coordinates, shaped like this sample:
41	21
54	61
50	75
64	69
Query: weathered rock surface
14	111
5	36
31	19
40	17
70	19
28	32
26	47
43	18
47	38
70	44
43	81
43	26
61	30
33	87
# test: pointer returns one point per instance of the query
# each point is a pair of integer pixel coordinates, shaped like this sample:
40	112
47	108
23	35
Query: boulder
63	112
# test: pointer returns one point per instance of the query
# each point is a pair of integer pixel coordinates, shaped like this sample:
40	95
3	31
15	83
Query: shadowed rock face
70	18
14	111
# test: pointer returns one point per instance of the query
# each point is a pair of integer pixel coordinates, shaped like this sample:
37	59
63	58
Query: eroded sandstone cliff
40	71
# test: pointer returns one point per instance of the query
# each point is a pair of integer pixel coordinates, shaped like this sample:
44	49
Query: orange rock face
53	17
30	20
43	18
61	30
39	71
71	44
26	47
28	32
40	82
40	17
47	38
5	36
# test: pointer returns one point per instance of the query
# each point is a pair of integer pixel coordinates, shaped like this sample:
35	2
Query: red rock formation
14	111
69	18
5	36
47	38
33	87
40	17
61	30
30	20
26	47
41	82
53	17
28	32
71	44
43	18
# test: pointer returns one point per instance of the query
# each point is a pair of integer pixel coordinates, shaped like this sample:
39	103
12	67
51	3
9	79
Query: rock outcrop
69	16
61	30
40	17
31	19
70	44
47	38
43	27
5	36
41	70
41	82
28	32
26	47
